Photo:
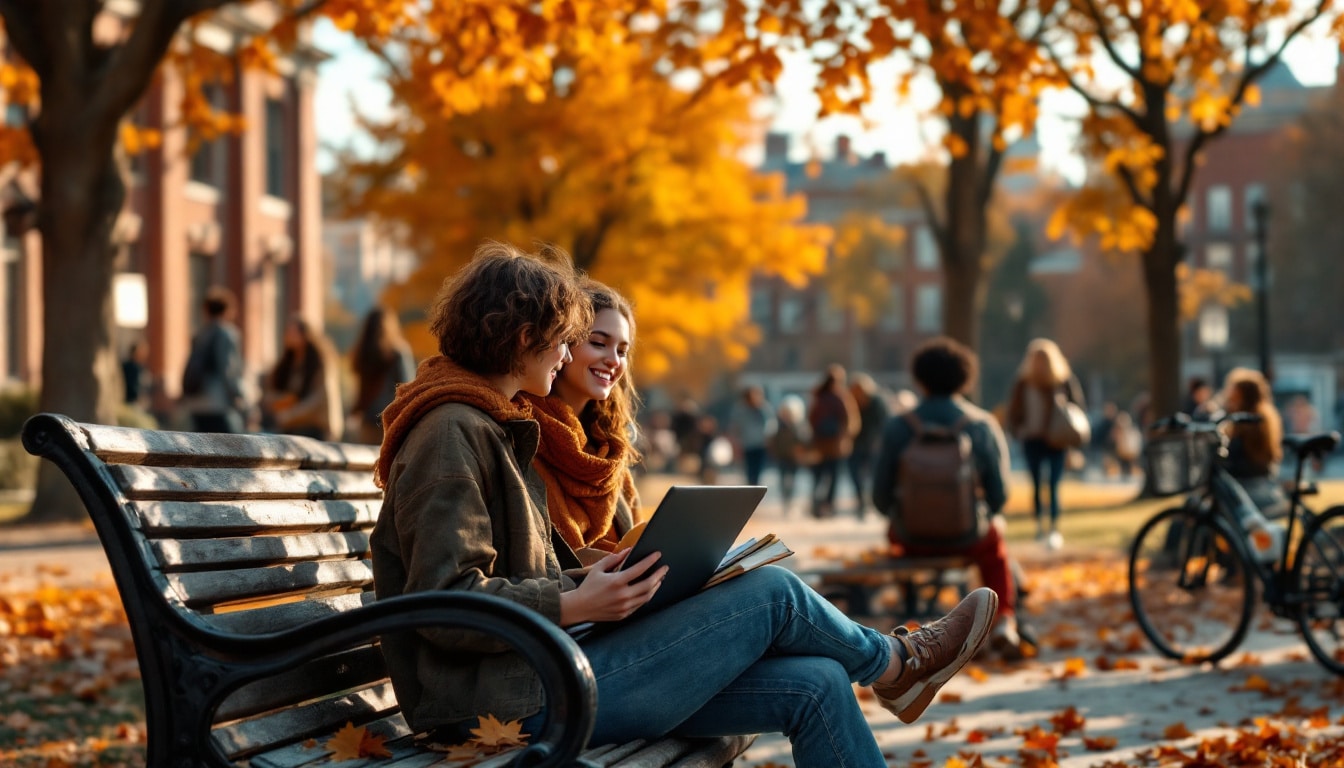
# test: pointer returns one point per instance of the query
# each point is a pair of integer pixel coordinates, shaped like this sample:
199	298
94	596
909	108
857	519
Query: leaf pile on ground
69	683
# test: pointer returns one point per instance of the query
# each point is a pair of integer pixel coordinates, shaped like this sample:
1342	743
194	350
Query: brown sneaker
935	652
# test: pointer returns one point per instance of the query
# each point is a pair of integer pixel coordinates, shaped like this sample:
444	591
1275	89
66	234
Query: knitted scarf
583	484
438	381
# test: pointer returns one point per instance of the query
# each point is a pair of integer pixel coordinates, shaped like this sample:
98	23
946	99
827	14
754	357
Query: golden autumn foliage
638	180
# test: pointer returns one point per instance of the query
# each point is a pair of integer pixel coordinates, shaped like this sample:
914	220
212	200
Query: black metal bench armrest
566	676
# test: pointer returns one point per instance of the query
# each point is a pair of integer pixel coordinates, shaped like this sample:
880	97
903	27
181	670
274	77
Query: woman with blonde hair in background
587	432
1255	448
788	445
1044	373
381	359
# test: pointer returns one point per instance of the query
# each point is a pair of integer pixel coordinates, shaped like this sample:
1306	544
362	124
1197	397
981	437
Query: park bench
242	564
918	583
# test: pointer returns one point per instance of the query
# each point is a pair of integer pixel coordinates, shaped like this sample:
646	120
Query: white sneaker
1055	541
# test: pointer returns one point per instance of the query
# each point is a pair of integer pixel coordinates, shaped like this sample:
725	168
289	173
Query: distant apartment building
802	330
242	212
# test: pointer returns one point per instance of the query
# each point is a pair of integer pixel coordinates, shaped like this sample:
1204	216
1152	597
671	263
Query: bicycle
1194	573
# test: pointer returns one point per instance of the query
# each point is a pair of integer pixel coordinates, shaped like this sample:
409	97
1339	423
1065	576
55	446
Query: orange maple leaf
1176	731
1099	743
372	746
1068	721
1074	667
345	744
494	735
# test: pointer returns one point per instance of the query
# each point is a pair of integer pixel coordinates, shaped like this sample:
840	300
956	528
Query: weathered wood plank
714	753
122	445
347	670
662	752
211	519
275	618
257	551
191	484
197	589
245	737
399	743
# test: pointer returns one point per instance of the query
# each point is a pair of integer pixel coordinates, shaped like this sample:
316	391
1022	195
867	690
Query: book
748	556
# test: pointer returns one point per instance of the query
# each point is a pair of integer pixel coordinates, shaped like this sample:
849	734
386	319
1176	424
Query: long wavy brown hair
614	417
1246	390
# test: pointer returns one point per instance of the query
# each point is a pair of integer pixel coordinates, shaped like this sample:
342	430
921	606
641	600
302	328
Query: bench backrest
237	534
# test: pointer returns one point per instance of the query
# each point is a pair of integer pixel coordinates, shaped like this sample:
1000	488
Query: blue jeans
760	653
753	460
1040	454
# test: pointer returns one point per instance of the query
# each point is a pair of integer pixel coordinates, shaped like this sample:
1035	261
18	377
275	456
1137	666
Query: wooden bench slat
714	753
193	484
199	519
275	618
198	589
246	737
122	445
256	551
347	670
399	743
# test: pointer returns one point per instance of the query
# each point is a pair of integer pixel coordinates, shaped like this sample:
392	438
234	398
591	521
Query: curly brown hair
508	304
615	416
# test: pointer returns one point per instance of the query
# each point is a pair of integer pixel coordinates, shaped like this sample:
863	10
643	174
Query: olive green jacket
463	509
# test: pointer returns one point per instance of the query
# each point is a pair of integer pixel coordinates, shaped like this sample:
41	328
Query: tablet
693	528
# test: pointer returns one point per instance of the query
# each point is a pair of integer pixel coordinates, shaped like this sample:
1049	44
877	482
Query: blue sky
353	74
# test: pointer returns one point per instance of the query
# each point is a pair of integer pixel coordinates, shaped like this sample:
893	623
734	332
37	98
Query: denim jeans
760	653
1039	453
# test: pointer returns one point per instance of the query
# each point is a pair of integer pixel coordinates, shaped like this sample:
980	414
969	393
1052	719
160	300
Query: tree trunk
1164	339
82	195
963	239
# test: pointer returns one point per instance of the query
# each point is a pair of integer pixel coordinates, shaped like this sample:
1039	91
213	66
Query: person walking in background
135	374
944	369
1044	374
381	360
834	420
873	414
587	443
1198	398
213	393
1254	448
788	445
303	393
750	426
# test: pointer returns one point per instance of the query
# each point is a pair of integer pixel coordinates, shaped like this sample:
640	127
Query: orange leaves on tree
354	743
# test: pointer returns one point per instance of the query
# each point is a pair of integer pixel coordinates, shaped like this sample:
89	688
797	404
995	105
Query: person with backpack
213	394
941	478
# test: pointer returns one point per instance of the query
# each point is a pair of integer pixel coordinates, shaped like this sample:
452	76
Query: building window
1254	194
893	315
791	358
760	308
209	160
10	296
830	318
929	308
201	273
890	257
1218	256
926	249
275	148
1219	208
282	305
16	115
791	314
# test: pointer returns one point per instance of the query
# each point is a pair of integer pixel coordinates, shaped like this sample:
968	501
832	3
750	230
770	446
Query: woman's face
599	361
540	372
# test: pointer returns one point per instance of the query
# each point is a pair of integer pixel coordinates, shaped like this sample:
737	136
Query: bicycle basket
1178	462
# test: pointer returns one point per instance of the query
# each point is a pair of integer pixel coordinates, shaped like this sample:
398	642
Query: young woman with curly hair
1255	448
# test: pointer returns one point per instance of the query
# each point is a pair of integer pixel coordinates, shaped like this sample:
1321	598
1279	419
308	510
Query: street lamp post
1213	332
1260	210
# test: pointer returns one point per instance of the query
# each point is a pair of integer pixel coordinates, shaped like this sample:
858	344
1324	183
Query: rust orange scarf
438	381
584	478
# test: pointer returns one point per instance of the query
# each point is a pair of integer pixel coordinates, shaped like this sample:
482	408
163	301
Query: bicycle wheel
1191	588
1318	576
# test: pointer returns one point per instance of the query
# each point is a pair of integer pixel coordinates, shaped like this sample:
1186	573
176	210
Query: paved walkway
1078	607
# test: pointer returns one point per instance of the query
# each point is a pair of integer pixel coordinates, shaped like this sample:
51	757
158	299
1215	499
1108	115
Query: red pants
990	554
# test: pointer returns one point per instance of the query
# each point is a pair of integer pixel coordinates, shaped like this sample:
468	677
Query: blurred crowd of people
301	394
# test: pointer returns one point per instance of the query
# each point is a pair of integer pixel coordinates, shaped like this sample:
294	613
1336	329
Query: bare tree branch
1104	35
993	162
1092	100
930	209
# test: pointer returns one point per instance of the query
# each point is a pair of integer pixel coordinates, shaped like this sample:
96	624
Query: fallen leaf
345	744
1176	731
494	735
1099	743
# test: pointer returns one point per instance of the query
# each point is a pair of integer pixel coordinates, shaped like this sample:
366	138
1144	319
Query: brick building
802	331
243	211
